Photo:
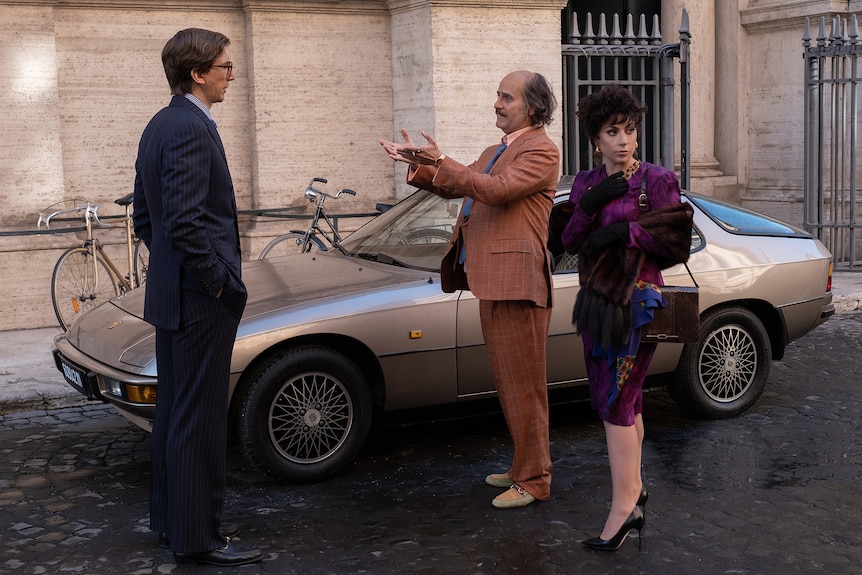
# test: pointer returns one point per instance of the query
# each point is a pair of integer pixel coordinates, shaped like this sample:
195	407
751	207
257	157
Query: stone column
448	57
705	166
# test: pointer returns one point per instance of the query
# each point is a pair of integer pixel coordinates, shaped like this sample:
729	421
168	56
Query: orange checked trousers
516	335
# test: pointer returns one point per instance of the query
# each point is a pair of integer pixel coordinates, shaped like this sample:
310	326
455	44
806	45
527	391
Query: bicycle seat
125	200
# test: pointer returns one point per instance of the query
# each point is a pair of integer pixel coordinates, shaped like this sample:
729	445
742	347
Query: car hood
282	291
294	281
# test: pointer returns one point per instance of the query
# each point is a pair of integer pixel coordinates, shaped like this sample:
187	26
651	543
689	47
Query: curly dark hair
539	96
612	102
192	49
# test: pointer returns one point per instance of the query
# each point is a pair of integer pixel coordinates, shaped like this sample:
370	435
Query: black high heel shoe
634	521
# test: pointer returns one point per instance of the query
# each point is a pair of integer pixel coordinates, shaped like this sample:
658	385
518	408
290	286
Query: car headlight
113	387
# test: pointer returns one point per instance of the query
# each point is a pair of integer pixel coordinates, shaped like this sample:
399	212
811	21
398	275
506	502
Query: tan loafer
516	496
499	480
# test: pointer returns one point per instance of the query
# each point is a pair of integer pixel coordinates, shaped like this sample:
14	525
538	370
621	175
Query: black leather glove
603	237
611	187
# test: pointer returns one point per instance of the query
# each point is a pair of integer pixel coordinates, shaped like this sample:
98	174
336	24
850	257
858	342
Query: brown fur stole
608	277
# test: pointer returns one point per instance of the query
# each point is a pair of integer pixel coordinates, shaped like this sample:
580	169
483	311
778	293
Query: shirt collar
508	139
197	102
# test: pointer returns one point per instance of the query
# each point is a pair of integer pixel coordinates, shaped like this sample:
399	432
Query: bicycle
298	242
85	276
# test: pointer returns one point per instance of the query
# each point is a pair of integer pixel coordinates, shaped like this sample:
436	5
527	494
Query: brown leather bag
679	322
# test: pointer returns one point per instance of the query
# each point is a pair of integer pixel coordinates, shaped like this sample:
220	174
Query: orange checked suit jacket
506	234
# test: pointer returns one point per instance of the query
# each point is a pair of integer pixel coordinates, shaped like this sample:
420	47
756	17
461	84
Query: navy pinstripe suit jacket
185	212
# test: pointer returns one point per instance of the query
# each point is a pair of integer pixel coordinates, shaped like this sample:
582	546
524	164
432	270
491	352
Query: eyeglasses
228	67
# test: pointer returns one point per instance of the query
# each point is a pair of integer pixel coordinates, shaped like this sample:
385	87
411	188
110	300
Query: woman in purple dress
627	225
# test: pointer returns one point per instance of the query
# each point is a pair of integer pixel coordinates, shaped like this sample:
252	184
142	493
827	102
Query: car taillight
829	280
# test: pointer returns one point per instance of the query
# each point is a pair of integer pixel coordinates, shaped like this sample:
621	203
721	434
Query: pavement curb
847	303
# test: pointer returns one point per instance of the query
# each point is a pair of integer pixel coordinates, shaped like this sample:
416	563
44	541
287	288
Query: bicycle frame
95	246
314	236
130	244
91	215
75	283
312	194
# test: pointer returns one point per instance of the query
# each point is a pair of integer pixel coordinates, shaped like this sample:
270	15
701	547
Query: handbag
679	321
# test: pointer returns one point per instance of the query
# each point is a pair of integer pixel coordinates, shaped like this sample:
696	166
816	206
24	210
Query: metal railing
831	119
640	62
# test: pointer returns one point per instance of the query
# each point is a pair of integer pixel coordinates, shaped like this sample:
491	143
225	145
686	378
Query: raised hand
411	153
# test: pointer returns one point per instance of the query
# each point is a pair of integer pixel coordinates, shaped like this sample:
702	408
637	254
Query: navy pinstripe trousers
189	452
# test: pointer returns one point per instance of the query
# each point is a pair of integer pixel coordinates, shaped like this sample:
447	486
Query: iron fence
831	102
639	61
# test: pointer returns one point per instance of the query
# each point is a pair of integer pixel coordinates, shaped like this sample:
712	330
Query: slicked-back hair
613	102
192	49
539	97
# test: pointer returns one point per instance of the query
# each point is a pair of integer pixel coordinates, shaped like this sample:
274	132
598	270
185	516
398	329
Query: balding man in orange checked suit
498	250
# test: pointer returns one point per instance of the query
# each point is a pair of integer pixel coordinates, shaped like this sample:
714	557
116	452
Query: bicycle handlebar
90	213
311	192
95	216
87	208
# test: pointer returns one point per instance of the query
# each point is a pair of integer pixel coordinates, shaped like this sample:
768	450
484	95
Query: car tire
305	415
724	373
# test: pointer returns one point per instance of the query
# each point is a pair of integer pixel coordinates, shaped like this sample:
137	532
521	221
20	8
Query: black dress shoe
225	556
227	530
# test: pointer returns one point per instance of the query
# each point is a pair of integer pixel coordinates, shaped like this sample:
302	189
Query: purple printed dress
616	374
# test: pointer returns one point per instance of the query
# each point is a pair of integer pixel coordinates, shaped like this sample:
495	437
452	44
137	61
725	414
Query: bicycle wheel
289	244
428	236
78	286
142	262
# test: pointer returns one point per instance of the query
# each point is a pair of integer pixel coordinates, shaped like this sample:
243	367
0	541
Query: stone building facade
319	81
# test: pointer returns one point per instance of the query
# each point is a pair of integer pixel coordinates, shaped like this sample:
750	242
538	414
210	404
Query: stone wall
320	81
316	87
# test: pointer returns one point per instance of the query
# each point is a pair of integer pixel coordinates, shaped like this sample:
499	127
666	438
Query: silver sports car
331	337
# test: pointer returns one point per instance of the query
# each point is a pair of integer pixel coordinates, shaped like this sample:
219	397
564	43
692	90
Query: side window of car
561	213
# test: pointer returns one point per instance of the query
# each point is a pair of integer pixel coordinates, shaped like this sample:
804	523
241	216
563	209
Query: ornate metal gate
831	130
639	61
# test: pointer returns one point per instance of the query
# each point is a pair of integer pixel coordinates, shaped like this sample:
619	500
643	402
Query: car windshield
737	220
413	233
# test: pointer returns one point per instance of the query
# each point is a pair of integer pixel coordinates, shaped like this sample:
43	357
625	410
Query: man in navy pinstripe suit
185	212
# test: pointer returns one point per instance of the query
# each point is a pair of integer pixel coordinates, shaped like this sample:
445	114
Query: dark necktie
468	202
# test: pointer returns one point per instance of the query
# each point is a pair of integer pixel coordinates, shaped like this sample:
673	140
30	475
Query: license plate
75	376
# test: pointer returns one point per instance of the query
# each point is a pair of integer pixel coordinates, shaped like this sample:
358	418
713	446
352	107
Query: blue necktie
468	202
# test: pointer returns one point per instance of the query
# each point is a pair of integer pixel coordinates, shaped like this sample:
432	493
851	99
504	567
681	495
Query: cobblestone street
773	491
